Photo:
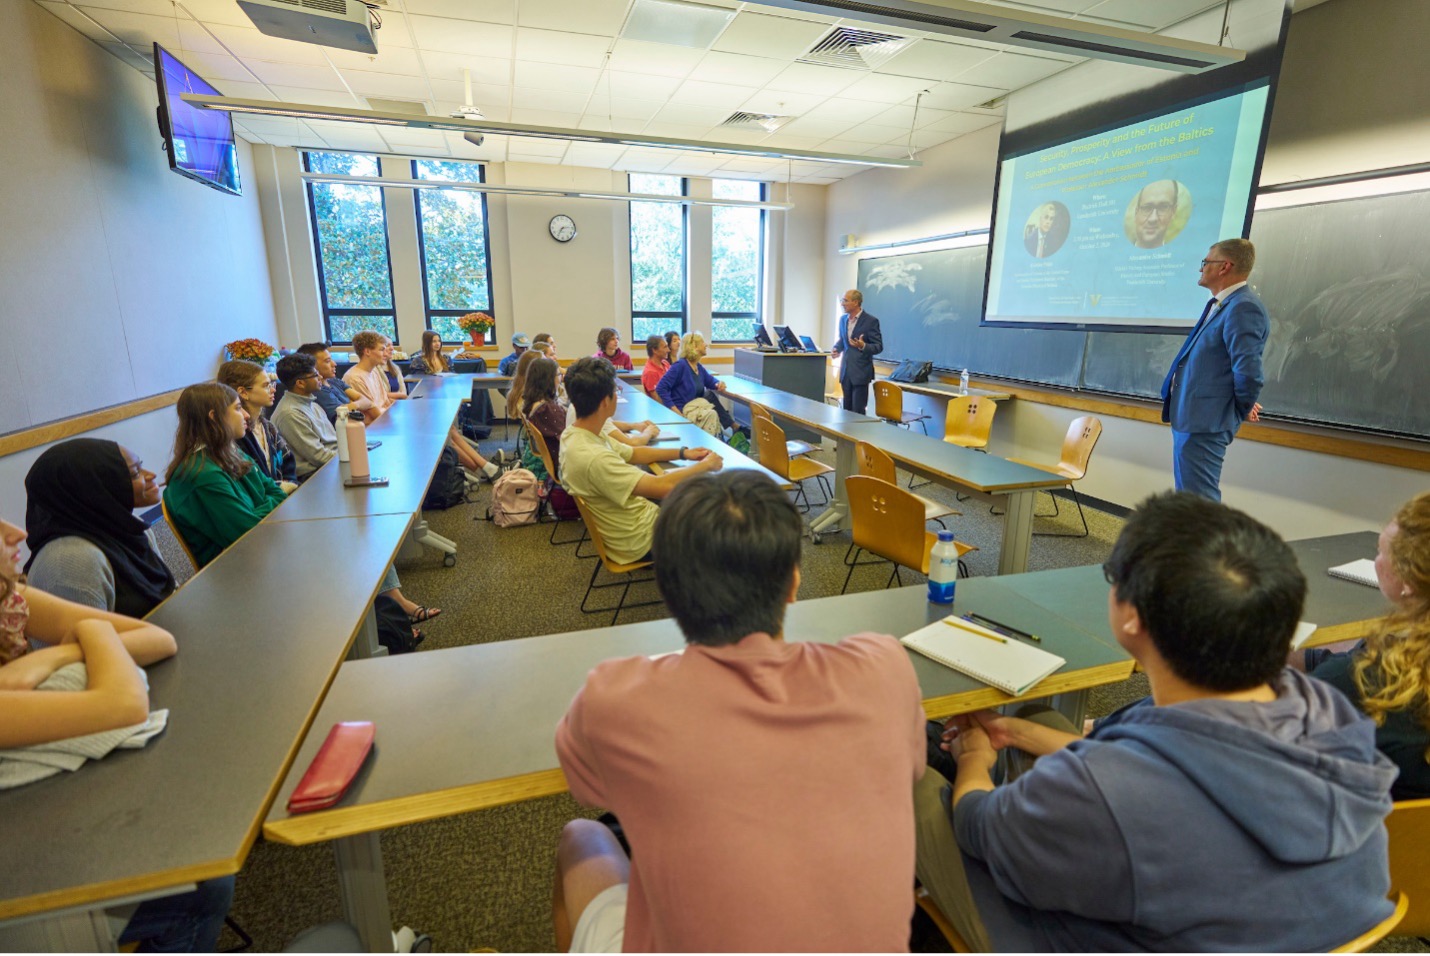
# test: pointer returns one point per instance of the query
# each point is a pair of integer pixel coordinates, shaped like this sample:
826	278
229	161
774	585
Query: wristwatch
681	456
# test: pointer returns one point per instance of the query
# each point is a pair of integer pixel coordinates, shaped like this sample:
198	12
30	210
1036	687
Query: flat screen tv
199	142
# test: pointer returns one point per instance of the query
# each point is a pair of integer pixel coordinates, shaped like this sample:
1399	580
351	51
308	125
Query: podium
800	373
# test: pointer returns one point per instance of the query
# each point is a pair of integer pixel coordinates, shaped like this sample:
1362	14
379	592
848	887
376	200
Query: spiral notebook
1361	572
1006	663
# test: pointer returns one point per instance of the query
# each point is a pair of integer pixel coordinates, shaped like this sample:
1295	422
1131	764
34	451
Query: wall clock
563	228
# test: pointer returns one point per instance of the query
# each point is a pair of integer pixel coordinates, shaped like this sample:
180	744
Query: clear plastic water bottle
963	383
943	569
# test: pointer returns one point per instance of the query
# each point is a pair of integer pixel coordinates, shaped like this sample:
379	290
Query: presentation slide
1109	230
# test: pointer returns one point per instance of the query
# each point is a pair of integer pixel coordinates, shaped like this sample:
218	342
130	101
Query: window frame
327	310
684	314
428	312
759	313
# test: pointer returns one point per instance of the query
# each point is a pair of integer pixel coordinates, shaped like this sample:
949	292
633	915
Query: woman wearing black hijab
86	543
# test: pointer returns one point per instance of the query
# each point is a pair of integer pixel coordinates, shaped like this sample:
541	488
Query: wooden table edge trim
92	895
304	829
1335	633
1059	683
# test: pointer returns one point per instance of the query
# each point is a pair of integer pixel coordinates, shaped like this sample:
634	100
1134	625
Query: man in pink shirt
367	376
764	786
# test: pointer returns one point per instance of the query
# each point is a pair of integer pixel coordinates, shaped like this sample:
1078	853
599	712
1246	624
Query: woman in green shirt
215	492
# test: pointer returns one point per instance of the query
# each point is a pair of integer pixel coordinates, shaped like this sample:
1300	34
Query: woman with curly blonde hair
1388	674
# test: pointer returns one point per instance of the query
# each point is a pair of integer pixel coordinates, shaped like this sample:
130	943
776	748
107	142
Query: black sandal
424	614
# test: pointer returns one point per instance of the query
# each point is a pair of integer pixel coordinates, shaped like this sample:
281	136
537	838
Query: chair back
1379	931
178	535
969	418
759	411
594	530
770	443
1078	444
875	463
1409	828
538	441
888	521
888	401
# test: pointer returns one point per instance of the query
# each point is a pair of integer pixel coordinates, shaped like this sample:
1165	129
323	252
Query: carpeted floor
483	880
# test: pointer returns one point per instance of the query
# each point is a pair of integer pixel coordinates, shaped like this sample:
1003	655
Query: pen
988	622
968	630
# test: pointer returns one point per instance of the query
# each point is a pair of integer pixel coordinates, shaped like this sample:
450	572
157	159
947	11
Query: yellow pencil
992	637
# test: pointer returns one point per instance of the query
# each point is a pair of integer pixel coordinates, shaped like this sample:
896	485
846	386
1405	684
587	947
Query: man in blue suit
1214	382
859	341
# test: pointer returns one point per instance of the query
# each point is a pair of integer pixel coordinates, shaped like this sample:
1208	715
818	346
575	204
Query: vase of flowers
251	350
477	325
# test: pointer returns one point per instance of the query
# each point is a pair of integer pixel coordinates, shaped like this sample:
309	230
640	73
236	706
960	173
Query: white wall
1325	83
118	278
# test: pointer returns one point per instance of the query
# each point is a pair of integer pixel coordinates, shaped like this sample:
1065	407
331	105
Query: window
350	234
737	261
658	252
452	242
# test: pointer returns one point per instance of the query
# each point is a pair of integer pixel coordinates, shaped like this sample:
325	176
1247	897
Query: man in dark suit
859	341
1215	379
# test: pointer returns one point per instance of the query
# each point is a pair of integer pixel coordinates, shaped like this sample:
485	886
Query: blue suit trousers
1197	459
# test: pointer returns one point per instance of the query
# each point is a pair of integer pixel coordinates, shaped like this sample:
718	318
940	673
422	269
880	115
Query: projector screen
1107	231
199	142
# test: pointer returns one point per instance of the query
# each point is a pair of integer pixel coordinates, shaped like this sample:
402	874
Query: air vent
410	107
993	104
855	49
762	122
339	7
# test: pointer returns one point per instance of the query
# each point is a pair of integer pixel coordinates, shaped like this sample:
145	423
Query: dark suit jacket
858	366
1218	369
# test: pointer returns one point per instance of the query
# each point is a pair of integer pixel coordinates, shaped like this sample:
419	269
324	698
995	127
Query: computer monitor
789	342
809	345
762	337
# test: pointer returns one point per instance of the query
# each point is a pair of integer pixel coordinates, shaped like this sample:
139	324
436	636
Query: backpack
516	499
562	504
449	484
394	628
475	419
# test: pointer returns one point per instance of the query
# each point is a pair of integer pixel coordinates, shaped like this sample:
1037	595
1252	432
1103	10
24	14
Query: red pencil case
333	769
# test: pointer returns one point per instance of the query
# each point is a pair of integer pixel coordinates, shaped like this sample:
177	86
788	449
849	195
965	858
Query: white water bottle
963	383
357	446
943	569
341	426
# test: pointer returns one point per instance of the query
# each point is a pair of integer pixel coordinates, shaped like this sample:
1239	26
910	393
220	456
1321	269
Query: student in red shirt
656	366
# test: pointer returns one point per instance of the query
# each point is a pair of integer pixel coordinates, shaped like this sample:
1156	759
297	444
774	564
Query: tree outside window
659	245
350	235
737	261
452	241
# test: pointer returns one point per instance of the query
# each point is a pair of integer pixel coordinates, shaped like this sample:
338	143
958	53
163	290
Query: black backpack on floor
449	484
394	628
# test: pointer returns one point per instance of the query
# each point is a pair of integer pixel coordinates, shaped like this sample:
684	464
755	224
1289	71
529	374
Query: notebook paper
1361	572
1006	663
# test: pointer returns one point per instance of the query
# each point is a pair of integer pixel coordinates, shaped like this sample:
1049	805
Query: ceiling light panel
676	22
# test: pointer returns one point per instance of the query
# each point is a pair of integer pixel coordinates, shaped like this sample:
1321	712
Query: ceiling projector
345	24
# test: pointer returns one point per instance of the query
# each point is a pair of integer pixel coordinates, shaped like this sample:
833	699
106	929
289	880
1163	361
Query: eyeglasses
1207	262
1155	208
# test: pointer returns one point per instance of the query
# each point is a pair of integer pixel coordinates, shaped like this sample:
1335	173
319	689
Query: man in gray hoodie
1240	807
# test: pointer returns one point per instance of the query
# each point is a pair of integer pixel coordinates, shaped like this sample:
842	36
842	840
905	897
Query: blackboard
929	305
1347	285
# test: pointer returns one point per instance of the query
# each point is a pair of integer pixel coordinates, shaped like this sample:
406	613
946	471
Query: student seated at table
608	346
214	492
621	496
689	389
518	384
396	386
763	784
86	543
334	392
431	360
368	378
1240	807
1387	675
261	442
519	344
109	645
657	350
543	412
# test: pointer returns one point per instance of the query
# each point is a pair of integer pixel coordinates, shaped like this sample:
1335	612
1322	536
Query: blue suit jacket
1218	369
858	366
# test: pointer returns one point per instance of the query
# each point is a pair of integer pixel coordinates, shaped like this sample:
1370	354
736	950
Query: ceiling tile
490	11
747	166
387	85
78	20
600	124
881	88
552	76
557	46
449	66
781	103
404	138
137	29
215	67
960	96
296	74
745	137
719	67
846	112
599	17
226	12
554	101
936	60
462	36
580	155
635	56
692	115
125	54
791	141
536	117
513	157
718	95
194	37
886	152
812	78
395	59
821	127
637	87
346	132
1012	70
454	92
495	109
627	109
870	133
298	94
1154	16
531	146
960	123
1053	7
904	116
247	91
923	138
757	34
155	8
247	42
437	151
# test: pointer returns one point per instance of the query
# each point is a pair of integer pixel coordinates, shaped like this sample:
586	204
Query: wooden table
499	703
693	436
946	390
254	664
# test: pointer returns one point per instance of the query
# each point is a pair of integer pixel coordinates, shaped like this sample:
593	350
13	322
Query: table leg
1072	705
76	931
844	466
363	887
367	644
1017	532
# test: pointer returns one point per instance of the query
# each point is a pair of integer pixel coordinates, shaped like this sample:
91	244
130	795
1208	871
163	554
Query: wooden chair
612	567
794	446
1379	931
969	421
538	442
178	535
1078	444
770	442
953	937
876	463
888	522
889	405
1409	828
